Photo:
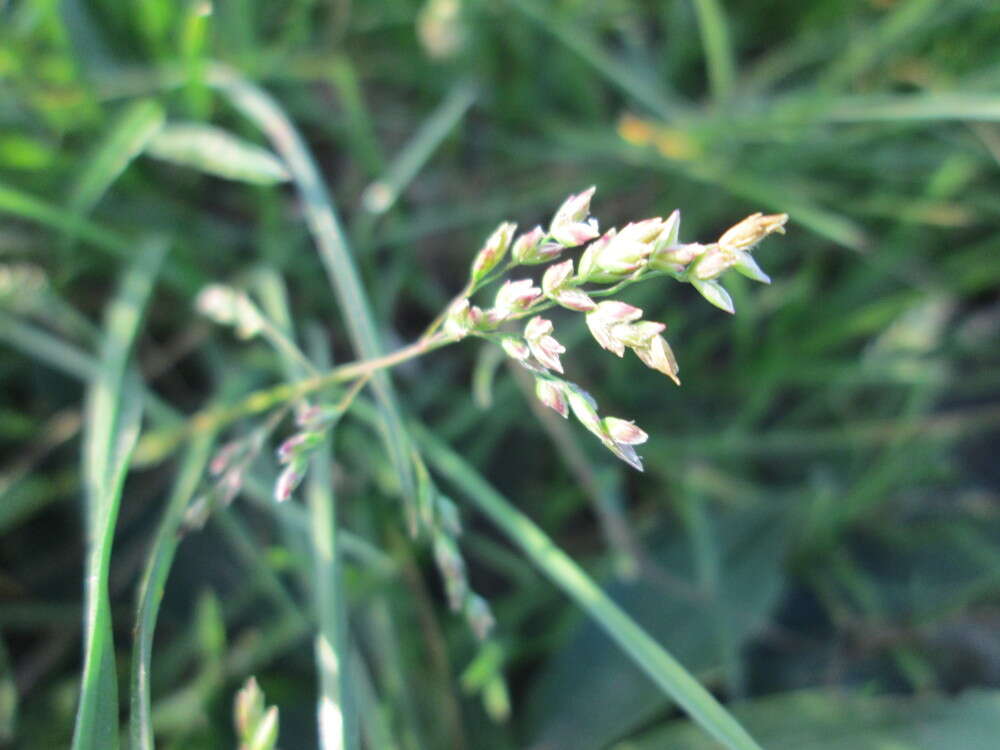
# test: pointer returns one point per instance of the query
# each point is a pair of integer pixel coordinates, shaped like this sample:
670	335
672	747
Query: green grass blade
647	654
111	430
217	152
382	194
154	578
333	250
21	205
124	141
641	88
336	711
718	52
937	106
331	618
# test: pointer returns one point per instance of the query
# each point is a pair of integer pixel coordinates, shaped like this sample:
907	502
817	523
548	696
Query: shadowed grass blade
154	578
111	429
123	142
659	665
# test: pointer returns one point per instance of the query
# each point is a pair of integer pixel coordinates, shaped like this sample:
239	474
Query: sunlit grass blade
217	152
111	429
334	252
647	654
154	578
948	105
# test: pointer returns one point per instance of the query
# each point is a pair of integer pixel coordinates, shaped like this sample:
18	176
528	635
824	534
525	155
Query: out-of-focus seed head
556	276
636	334
715	293
288	480
452	567
624	432
643	232
603	319
266	736
543	346
675	258
747	266
532	248
585	409
515	296
248	707
570	226
515	348
290	447
574	299
712	263
753	229
670	231
479	616
551	394
224	457
227	306
447	511
463	318
22	286
657	355
493	251
587	268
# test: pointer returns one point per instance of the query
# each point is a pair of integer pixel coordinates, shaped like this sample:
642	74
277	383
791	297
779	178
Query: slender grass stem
156	446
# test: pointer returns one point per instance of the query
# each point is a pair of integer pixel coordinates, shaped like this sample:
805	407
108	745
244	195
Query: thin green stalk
652	658
112	425
718	51
331	639
334	252
383	193
154	578
335	711
157	445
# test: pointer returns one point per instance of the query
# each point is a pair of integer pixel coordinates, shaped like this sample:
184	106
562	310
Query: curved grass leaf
217	152
111	427
652	658
154	578
123	142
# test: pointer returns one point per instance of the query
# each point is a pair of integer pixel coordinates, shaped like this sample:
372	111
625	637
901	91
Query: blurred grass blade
217	152
154	578
112	422
382	194
718	52
331	643
124	141
644	90
334	253
336	710
21	205
659	665
903	23
951	105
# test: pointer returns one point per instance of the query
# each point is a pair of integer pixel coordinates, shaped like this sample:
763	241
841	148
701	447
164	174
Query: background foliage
816	534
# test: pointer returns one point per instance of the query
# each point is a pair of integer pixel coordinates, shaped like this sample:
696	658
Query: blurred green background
816	533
